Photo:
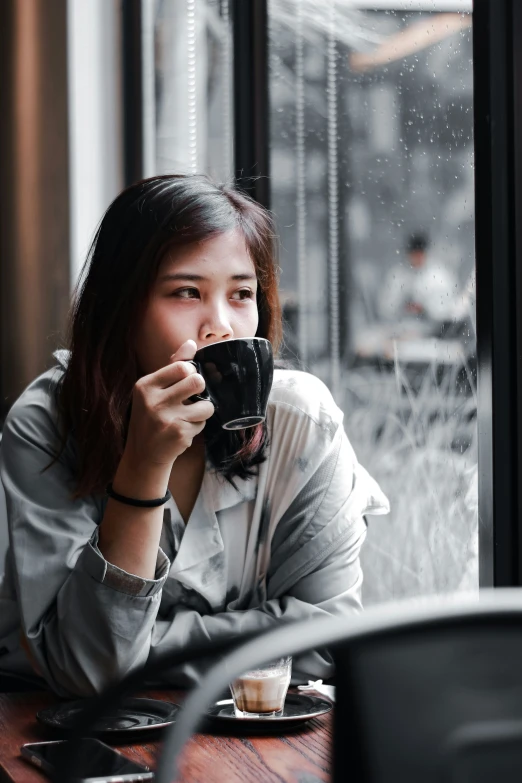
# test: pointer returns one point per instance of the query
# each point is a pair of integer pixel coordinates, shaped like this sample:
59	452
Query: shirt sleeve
315	555
85	620
121	580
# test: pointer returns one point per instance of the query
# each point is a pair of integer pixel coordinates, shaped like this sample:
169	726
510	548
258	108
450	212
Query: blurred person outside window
422	289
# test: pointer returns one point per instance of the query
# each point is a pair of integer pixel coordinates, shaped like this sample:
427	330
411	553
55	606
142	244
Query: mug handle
204	394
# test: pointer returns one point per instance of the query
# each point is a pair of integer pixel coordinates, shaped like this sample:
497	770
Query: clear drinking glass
261	693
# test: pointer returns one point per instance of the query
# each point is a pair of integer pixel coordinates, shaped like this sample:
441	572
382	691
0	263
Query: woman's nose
216	325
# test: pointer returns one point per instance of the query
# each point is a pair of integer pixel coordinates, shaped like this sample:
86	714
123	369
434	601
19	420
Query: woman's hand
162	425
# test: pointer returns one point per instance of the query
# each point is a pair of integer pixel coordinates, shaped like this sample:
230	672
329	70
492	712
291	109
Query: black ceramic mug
238	377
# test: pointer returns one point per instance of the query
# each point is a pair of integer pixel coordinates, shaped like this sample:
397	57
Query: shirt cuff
118	579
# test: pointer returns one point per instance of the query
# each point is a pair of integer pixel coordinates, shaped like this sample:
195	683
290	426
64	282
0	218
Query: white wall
96	161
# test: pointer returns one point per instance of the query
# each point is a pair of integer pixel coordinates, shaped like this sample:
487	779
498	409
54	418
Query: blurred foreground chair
426	691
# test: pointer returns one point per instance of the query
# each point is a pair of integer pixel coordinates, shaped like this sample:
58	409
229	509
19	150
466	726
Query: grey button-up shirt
282	545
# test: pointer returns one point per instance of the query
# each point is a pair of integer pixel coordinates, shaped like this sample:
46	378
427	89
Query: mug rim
231	340
229	424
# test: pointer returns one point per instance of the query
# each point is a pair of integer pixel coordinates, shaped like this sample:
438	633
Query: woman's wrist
128	535
141	480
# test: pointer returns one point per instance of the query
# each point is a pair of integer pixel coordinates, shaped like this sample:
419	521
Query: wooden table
301	756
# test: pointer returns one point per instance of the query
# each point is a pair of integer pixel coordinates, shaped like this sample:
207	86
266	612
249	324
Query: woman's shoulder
306	394
35	410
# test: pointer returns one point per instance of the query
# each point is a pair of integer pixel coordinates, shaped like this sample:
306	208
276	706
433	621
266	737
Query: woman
262	526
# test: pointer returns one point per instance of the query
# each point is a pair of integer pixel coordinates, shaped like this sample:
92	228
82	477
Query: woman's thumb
185	352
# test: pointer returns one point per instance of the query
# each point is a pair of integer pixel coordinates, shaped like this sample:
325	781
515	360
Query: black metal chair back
438	702
427	691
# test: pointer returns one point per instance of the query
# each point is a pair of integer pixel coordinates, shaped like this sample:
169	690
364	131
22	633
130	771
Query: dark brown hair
144	222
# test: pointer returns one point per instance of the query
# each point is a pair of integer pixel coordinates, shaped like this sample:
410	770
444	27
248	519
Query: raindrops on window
372	185
373	189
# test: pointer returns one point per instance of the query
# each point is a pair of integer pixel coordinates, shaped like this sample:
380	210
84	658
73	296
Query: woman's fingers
161	425
180	393
183	389
179	367
198	411
169	375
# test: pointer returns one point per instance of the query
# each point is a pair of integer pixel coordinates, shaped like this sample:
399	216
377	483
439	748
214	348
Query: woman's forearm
128	535
161	428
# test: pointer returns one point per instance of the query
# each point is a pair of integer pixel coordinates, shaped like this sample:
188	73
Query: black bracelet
135	502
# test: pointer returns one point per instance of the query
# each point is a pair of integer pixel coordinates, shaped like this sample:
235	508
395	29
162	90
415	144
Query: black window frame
497	68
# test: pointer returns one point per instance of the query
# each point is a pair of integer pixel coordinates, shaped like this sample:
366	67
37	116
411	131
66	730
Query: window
372	185
191	97
371	154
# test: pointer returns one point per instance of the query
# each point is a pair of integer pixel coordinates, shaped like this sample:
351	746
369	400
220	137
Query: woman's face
204	292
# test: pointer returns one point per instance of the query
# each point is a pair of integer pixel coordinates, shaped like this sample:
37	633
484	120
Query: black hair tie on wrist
134	501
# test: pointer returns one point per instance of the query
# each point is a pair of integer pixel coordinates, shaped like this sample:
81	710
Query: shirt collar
223	494
200	562
62	357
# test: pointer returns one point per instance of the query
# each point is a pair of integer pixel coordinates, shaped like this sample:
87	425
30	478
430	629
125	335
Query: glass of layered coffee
261	693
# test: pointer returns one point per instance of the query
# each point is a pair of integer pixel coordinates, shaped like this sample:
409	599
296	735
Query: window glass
372	186
191	116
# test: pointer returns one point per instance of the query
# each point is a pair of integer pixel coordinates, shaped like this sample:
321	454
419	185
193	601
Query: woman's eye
186	293
193	293
243	293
